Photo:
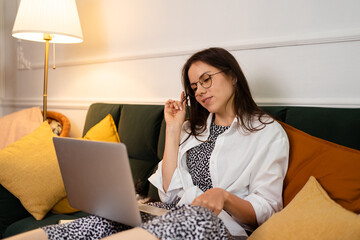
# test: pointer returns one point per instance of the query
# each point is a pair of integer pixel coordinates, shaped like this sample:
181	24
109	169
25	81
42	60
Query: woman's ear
234	80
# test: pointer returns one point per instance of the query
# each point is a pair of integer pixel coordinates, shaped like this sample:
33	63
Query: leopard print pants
182	222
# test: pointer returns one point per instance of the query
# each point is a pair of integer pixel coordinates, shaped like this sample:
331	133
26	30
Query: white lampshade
56	17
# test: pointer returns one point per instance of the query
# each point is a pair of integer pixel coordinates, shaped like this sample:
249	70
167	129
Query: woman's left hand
213	199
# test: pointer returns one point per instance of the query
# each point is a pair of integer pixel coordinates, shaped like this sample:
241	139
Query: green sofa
142	129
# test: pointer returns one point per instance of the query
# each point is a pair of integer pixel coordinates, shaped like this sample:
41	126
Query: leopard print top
198	158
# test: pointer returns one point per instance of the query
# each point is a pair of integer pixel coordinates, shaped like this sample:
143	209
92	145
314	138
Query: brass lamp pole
47	38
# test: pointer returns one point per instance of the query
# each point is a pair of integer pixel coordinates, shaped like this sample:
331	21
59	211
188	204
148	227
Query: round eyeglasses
205	81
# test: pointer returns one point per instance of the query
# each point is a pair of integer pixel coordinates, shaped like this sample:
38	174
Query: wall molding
252	44
73	104
83	104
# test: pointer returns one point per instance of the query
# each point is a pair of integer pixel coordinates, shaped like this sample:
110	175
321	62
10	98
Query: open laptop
98	180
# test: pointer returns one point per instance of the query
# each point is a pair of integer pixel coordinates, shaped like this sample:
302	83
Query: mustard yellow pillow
105	130
30	171
312	214
63	207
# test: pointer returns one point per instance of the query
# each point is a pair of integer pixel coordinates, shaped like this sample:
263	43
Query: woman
222	170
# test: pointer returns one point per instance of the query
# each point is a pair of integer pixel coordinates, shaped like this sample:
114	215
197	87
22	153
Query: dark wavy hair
245	107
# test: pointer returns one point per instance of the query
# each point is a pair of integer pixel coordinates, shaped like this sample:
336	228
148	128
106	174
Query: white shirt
250	165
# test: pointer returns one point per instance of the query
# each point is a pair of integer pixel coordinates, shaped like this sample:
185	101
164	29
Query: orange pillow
337	168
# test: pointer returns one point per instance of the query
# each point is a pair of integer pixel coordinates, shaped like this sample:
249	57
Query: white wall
292	52
2	55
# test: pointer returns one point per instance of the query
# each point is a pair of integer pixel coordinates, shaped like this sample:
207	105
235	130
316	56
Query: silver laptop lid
97	179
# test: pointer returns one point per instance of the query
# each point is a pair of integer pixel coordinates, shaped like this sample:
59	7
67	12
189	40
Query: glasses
205	81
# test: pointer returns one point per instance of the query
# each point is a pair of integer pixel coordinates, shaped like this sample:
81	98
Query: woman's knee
187	221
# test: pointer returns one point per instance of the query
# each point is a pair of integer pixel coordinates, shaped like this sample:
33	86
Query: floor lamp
55	21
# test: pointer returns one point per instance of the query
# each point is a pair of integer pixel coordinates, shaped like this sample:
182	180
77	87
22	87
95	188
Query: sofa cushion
312	214
279	113
11	209
139	129
336	125
30	171
141	170
336	167
161	143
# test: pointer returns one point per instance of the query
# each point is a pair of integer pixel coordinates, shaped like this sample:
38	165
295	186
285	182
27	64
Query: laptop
98	180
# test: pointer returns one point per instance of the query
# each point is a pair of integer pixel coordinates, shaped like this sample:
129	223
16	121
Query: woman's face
219	97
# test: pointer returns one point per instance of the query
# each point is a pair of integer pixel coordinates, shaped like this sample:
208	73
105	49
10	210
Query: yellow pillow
105	130
63	207
30	171
312	214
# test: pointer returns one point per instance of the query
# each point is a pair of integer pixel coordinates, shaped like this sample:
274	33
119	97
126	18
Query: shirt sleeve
266	181
174	188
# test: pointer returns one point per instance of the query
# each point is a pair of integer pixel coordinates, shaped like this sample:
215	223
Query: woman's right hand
174	111
174	114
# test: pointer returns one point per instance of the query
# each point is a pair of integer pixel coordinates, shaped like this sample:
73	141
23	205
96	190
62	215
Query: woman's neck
225	115
224	120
